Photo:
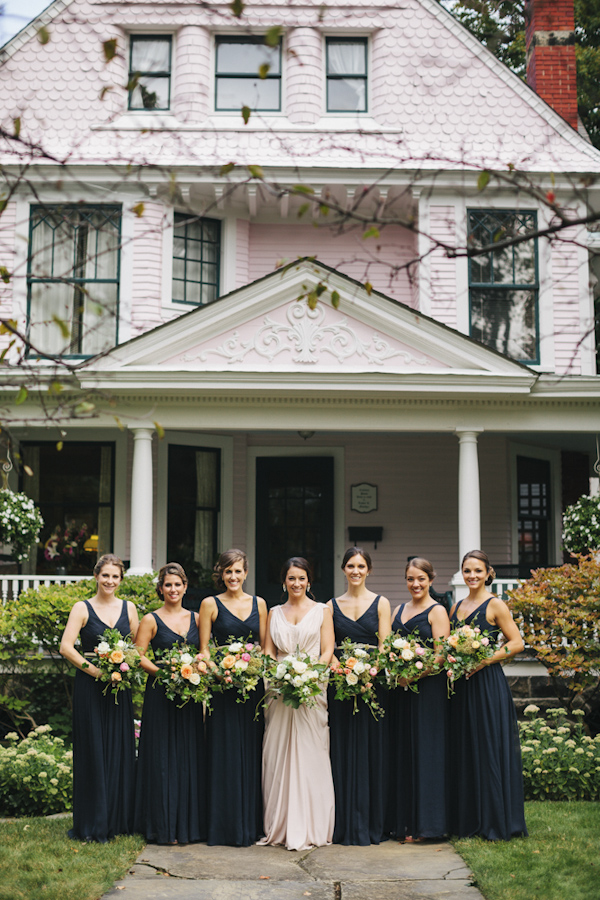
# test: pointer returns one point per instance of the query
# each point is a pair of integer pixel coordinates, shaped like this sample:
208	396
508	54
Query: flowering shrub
184	674
36	775
560	762
20	523
405	658
297	679
119	661
238	666
354	676
463	650
581	525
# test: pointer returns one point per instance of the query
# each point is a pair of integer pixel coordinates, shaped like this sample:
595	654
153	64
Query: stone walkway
390	871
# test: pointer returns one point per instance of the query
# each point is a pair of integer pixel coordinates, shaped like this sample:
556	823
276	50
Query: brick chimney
550	41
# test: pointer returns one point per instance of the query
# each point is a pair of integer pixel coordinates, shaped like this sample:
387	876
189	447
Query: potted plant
581	526
20	523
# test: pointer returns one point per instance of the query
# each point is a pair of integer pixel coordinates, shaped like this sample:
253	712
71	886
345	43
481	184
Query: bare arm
77	619
502	616
269	647
263	613
146	632
207	615
327	637
440	627
384	613
134	619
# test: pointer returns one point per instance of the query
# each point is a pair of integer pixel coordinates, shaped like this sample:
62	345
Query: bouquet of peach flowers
118	660
239	665
354	675
184	675
406	658
463	650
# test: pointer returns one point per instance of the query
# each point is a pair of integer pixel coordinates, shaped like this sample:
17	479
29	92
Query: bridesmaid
358	741
420	720
170	792
103	733
297	783
486	785
234	738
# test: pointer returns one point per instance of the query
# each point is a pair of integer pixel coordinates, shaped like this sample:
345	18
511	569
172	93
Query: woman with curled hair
296	774
486	781
171	788
234	734
103	733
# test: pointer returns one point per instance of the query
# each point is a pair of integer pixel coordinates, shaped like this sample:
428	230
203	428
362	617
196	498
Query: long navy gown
358	742
103	748
419	723
234	743
171	779
486	784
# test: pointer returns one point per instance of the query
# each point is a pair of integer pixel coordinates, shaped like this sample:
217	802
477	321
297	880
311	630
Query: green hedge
36	775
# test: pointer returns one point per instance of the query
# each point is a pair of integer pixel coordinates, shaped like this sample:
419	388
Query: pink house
440	402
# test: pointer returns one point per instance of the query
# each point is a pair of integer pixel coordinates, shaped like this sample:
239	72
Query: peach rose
453	640
186	670
228	661
117	656
116	676
350	662
201	666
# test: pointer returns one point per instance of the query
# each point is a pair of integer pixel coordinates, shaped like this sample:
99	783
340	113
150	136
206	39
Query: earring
284	588
308	588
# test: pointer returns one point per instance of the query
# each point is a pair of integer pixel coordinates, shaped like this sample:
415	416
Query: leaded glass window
346	74
196	259
73	279
248	73
503	284
150	72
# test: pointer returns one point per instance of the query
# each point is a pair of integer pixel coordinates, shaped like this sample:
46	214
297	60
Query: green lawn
560	860
37	860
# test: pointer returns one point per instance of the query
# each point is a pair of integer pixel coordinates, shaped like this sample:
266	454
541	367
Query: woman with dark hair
486	782
297	785
233	734
171	791
419	721
103	733
359	758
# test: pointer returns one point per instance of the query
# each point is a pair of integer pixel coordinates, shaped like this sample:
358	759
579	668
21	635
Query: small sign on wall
363	497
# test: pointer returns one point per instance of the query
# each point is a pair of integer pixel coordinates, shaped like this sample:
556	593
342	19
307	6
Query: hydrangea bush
20	523
560	761
581	525
36	774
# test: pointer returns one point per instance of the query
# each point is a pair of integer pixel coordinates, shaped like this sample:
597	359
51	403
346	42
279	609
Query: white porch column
140	547
469	517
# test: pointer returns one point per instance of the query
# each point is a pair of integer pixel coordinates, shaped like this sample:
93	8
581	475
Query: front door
294	517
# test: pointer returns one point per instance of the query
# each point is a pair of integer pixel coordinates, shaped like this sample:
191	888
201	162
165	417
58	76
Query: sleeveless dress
234	746
359	747
103	748
171	791
486	783
296	772
419	723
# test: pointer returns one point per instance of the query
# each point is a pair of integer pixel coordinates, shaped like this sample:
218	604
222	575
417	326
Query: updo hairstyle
226	559
172	568
420	563
109	559
356	551
484	558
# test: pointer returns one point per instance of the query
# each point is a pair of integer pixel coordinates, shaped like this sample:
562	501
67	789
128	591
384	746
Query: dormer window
248	73
150	72
346	74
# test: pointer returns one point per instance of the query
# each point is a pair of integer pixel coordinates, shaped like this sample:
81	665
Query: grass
37	860
558	860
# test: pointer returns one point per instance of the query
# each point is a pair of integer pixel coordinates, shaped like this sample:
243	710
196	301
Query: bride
298	794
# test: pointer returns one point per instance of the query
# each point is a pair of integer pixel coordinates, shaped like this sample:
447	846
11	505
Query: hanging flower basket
581	526
20	523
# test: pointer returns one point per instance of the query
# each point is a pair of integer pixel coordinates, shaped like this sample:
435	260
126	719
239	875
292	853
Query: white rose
407	653
360	653
351	678
241	664
194	678
287	677
312	675
299	666
297	681
121	644
399	643
103	647
235	648
280	671
186	658
359	668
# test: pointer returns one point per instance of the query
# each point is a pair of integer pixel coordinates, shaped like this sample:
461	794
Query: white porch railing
501	585
12	585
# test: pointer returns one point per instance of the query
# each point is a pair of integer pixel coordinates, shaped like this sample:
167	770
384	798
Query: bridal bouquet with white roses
463	650
354	675
238	665
297	679
184	675
406	658
118	660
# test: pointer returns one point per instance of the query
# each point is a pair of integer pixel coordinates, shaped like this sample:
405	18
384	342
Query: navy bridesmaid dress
486	784
234	742
103	748
419	723
358	747
171	779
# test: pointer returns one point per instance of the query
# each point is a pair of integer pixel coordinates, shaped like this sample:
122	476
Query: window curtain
51	257
100	300
349	59
104	496
206	496
150	56
32	489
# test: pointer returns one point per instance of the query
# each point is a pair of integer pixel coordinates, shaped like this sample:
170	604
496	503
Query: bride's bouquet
238	665
463	650
119	662
354	675
297	679
406	658
184	675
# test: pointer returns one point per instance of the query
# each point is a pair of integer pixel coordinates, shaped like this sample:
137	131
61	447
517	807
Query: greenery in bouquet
581	525
36	774
119	662
463	650
238	665
560	761
297	679
354	675
20	523
406	659
184	675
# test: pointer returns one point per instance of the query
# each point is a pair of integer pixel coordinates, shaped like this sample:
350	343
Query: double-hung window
503	283
346	74
73	279
248	73
150	72
196	258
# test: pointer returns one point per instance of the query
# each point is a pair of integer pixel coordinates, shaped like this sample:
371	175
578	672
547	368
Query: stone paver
389	871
